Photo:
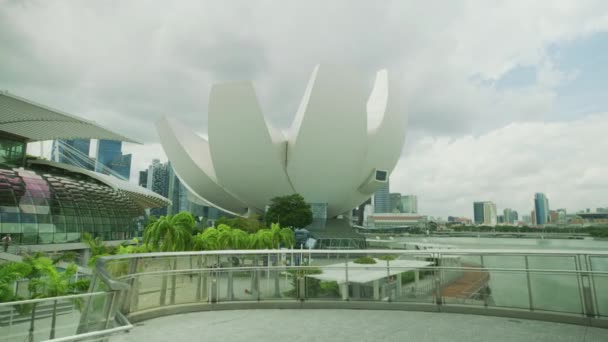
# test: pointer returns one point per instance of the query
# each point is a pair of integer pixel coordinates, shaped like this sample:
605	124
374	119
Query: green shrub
330	288
365	260
388	257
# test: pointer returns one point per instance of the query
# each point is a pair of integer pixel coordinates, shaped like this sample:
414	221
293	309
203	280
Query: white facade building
489	214
341	148
409	203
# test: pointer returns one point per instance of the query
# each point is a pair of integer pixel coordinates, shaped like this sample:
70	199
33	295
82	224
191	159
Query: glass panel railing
148	291
599	284
552	282
44	319
558	292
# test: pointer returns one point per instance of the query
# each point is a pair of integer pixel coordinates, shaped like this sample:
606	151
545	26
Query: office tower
395	203
485	213
510	215
158	181
73	152
110	159
409	203
478	212
541	207
489	213
382	200
143	179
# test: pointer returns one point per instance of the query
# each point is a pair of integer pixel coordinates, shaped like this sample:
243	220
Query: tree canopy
289	211
170	233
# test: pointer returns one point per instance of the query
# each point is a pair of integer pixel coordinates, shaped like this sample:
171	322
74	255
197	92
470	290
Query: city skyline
507	111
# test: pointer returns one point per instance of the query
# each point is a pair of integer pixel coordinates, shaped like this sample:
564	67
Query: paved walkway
352	325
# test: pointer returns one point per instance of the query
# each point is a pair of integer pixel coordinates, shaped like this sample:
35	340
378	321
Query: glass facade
12	152
478	212
73	152
541	208
382	200
47	205
109	154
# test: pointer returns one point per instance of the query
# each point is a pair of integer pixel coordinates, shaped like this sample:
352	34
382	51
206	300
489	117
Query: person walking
6	241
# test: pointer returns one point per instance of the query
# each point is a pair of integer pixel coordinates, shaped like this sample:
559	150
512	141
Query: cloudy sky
505	98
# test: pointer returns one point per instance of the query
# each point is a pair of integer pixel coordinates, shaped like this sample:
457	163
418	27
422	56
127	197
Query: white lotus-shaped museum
340	149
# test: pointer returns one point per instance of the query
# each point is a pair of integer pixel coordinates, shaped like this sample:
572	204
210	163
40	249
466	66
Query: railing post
213	290
345	290
301	288
528	281
485	296
132	295
587	293
437	281
110	315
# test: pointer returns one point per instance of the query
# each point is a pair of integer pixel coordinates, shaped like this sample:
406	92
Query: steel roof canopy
36	122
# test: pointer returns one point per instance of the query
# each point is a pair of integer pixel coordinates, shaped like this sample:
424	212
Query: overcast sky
505	98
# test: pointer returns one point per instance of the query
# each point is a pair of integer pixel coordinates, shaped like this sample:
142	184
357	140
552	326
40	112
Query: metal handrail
89	335
339	267
38	300
472	252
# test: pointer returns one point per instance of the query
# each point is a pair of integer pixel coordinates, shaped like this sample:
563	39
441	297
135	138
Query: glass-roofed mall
44	202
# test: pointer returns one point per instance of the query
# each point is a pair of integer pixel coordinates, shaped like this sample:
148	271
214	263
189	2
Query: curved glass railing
561	286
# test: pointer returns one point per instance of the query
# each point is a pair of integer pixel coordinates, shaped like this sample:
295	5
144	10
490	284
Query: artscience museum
341	147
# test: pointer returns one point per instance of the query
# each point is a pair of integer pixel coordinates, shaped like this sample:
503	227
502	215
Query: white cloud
508	165
125	64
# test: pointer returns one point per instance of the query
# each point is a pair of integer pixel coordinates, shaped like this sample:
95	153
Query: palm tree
280	236
46	281
207	240
9	274
170	233
262	239
96	246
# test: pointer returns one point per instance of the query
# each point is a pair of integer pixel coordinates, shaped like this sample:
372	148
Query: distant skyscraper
478	212
143	178
489	214
541	207
72	152
510	215
485	213
395	200
109	155
162	179
409	204
177	193
382	200
158	181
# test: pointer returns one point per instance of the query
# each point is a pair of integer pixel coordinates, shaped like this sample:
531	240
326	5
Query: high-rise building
562	216
109	156
382	200
489	214
158	181
485	213
162	179
541	208
478	212
409	204
143	178
73	152
395	200
177	193
510	215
